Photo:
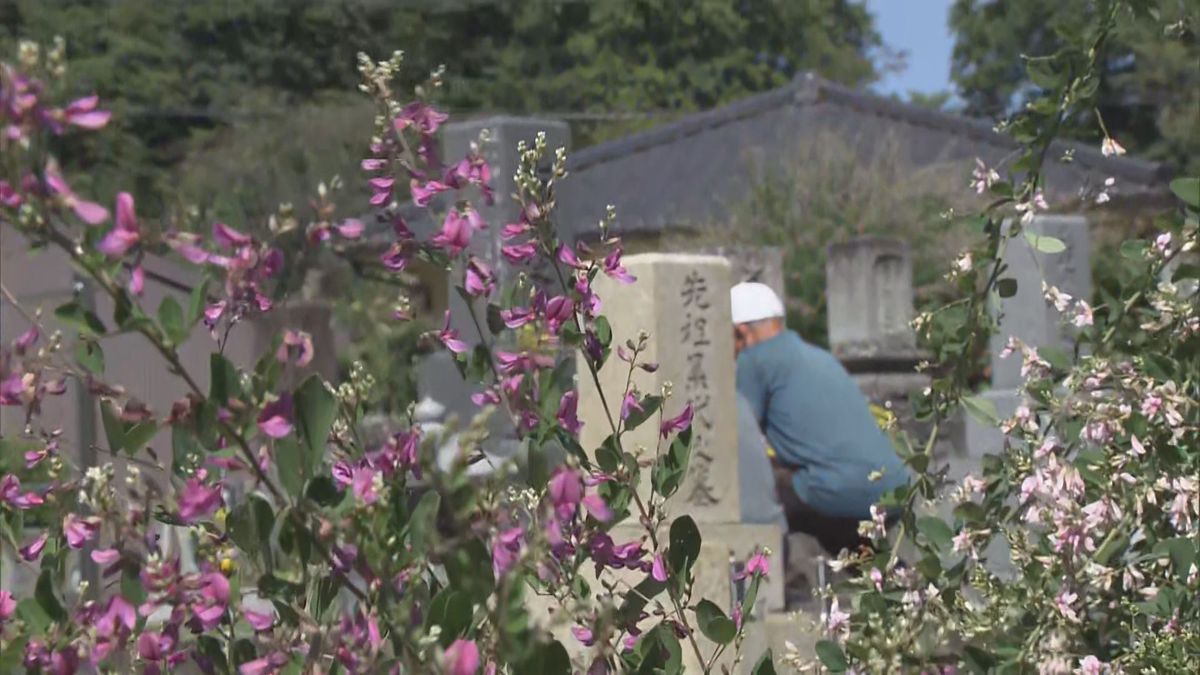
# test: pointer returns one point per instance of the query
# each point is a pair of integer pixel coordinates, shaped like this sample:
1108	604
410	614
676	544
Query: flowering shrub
337	556
1075	549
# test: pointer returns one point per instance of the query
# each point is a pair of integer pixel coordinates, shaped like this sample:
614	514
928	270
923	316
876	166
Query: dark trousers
833	532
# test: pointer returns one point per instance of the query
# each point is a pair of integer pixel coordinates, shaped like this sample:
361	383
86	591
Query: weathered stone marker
763	264
682	301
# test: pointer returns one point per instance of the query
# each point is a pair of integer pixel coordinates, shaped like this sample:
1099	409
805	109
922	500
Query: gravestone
763	264
1028	316
438	377
682	301
868	284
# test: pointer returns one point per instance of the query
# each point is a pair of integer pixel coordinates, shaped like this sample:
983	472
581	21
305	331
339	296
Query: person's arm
753	387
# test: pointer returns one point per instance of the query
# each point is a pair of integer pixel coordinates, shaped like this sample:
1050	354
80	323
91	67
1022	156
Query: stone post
1027	316
682	301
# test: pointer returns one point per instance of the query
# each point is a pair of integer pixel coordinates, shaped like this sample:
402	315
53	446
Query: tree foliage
1149	88
206	94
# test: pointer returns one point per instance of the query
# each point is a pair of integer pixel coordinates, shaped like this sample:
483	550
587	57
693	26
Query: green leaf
671	467
196	302
1182	552
322	490
250	525
424	518
685	545
89	355
289	462
243	652
170	318
1134	249
765	665
1187	189
635	602
278	588
982	410
714	624
316	409
935	530
550	658
1045	243
607	456
1042	72
86	321
138	435
212	650
832	656
46	599
1006	287
452	611
603	331
183	447
650	406
114	428
224	383
495	322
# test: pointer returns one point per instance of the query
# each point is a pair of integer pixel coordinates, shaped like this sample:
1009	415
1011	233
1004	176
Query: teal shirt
818	422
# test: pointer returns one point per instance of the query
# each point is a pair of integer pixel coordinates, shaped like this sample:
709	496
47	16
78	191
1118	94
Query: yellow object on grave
883	417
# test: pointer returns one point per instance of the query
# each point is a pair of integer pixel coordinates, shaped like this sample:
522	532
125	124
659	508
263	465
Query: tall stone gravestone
763	264
438	378
1026	315
682	301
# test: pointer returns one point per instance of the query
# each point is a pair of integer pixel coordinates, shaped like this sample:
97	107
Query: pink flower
10	492
117	616
9	196
125	234
298	346
89	212
461	658
479	278
8	606
104	556
275	420
209	607
137	280
567	413
614	268
567	257
228	237
33	550
658	569
187	245
420	116
629	404
351	228
80	530
362	482
566	492
198	500
596	507
83	113
259	621
423	193
584	635
517	316
455	234
559	310
683	421
1090	665
449	337
519	253
1110	147
267	665
757	564
506	549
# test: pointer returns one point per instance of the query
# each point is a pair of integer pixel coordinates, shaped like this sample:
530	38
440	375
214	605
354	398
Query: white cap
751	301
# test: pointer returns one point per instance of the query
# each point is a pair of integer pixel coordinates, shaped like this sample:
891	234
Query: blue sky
919	28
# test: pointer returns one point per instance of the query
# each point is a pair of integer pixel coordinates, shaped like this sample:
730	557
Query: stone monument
682	301
763	264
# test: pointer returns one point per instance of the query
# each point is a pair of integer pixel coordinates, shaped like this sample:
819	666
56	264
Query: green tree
204	88
1149	91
